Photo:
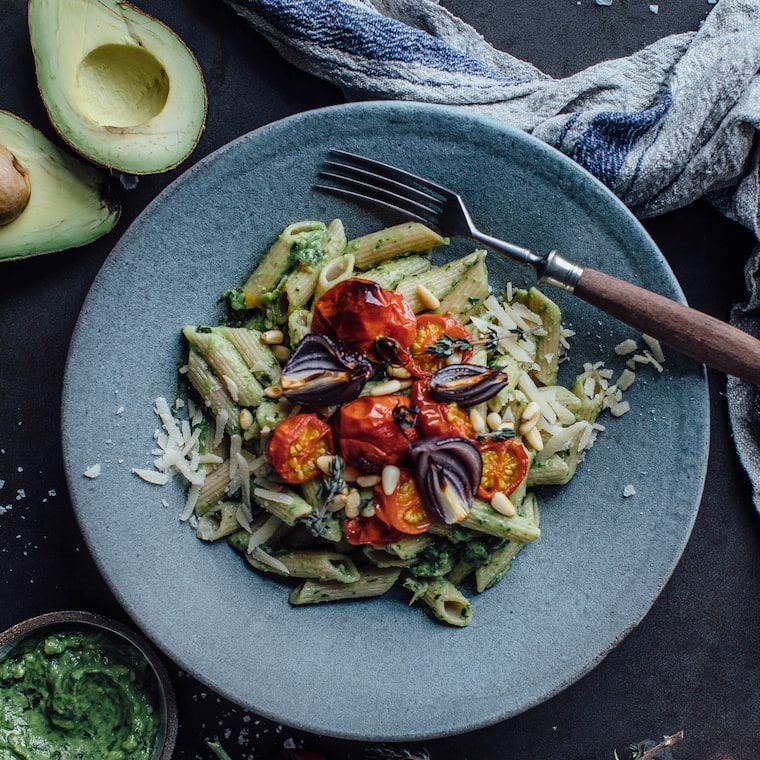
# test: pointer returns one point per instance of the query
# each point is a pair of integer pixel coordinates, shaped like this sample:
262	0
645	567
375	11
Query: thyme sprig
502	434
388	753
332	484
447	345
642	752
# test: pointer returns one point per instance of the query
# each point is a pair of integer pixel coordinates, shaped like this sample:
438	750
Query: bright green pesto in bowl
77	692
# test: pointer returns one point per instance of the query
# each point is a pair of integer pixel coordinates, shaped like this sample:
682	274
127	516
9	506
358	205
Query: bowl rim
168	728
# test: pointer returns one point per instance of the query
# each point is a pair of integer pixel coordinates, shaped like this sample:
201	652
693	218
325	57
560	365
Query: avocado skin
119	86
70	203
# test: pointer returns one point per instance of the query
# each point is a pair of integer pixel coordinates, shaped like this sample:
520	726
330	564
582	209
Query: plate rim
73	479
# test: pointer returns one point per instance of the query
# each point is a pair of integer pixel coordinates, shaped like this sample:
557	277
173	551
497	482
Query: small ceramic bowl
167	730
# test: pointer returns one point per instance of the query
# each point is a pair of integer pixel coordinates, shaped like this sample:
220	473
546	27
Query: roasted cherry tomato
439	418
430	329
369	530
296	443
403	509
369	432
359	311
505	464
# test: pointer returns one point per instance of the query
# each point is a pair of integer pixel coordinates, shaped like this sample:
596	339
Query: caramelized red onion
324	372
447	473
466	384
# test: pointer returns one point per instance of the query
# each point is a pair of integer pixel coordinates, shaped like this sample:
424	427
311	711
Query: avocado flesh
120	87
68	205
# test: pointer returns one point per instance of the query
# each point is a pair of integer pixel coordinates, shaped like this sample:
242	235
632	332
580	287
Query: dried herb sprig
641	752
503	434
388	753
332	484
447	345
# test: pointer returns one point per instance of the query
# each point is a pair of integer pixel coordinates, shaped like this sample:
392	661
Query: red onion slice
324	372
447	473
466	384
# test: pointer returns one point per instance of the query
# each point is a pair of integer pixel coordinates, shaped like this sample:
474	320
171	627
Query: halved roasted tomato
369	530
437	337
505	464
403	509
295	445
439	418
371	433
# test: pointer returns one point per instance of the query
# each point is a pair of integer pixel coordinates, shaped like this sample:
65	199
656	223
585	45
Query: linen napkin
675	121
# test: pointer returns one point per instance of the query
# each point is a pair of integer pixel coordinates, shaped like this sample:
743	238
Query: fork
691	332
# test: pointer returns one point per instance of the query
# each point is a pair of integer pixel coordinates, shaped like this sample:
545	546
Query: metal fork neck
551	268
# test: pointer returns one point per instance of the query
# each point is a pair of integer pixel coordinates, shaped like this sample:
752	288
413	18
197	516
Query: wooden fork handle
693	333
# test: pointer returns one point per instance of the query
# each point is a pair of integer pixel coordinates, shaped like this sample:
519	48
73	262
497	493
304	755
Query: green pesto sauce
306	249
77	693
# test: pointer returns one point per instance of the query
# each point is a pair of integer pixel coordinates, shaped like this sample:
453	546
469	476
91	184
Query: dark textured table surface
693	664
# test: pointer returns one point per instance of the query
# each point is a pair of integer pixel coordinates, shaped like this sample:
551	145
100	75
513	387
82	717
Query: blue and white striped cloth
678	120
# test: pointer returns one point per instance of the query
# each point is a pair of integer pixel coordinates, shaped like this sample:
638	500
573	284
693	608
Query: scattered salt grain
92	471
629	490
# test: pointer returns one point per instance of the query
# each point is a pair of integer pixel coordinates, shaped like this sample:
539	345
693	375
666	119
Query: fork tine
349	173
387	171
353	195
361	190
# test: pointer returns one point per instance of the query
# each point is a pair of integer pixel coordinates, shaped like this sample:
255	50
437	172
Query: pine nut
493	421
337	503
246	419
386	388
428	299
352	505
533	410
353	502
273	391
367	481
390	478
501	503
272	337
324	463
477	421
402	373
281	353
534	440
527	425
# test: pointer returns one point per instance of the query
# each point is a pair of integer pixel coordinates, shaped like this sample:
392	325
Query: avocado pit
121	86
15	188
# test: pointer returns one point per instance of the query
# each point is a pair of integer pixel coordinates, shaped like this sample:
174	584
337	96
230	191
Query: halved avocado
68	204
119	86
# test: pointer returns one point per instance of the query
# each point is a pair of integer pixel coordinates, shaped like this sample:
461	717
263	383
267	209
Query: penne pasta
272	471
410	237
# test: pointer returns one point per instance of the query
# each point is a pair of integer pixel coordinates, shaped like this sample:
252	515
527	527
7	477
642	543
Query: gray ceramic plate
378	670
